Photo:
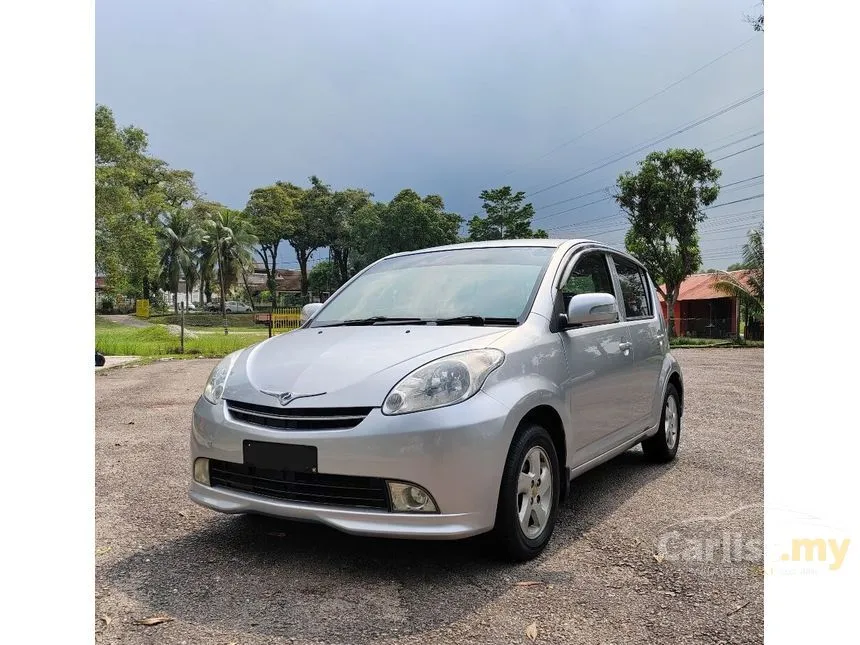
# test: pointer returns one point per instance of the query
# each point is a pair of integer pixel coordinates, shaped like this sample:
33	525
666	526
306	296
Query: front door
599	362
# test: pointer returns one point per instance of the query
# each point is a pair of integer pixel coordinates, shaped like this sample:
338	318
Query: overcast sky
445	97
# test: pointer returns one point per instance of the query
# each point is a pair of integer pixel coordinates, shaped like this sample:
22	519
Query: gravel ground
605	577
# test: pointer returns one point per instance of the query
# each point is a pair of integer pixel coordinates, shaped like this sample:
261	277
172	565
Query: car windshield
487	283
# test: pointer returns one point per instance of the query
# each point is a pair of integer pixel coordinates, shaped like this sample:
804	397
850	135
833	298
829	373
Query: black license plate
280	456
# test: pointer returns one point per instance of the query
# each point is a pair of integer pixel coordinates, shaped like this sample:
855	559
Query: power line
737	201
742	131
758	145
603	199
618	219
650	144
729	145
736	222
608	217
639	104
741	181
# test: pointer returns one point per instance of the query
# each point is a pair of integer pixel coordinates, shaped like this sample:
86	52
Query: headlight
445	381
214	389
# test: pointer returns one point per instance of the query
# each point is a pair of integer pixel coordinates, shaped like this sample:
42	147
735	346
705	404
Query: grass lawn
121	340
683	341
104	323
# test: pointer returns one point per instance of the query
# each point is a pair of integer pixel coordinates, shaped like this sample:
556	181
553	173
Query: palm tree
239	247
177	236
205	257
204	254
191	271
228	235
748	288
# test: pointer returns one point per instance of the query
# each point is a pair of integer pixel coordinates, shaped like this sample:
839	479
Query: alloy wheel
534	492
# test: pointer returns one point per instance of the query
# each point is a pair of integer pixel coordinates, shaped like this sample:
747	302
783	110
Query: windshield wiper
478	321
373	320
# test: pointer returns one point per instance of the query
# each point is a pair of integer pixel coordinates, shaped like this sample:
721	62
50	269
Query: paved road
233	579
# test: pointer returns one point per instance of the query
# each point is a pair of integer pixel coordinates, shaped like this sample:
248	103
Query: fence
706	327
280	319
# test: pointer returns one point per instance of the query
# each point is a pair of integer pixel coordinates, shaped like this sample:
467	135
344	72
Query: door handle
624	346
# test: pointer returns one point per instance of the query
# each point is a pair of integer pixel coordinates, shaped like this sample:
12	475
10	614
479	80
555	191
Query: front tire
663	446
528	495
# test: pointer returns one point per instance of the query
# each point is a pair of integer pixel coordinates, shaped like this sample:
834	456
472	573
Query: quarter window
634	291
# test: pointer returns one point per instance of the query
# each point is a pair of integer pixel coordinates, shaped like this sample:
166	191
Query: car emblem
285	397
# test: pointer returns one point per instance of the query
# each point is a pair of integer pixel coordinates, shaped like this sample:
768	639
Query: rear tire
525	519
663	446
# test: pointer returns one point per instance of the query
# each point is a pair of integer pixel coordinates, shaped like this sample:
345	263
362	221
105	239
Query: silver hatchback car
444	393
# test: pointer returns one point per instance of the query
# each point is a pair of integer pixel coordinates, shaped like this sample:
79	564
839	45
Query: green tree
239	256
230	237
664	202
126	246
272	212
178	238
205	256
307	230
133	192
321	278
507	217
757	20
748	288
407	223
339	235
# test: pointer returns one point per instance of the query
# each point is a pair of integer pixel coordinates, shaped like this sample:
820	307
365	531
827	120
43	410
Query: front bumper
456	453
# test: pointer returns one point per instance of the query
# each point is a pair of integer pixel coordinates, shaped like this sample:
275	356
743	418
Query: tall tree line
154	229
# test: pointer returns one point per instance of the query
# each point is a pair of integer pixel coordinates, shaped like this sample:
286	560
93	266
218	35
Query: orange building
703	312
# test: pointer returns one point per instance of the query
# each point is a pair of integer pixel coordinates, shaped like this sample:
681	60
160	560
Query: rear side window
634	290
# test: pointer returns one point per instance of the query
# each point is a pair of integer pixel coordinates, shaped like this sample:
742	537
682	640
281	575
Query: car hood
345	366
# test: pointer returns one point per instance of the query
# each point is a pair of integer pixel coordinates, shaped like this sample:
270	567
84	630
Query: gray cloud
444	97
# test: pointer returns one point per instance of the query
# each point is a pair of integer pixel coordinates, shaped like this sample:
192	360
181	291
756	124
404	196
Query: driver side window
589	275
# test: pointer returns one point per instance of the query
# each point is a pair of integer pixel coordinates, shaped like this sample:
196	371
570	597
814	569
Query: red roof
700	286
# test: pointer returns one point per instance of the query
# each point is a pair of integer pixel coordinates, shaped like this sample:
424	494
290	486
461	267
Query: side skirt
609	454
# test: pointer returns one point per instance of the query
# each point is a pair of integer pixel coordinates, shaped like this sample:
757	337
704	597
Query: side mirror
592	309
309	311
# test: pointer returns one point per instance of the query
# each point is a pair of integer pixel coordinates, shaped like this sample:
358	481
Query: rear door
646	332
599	362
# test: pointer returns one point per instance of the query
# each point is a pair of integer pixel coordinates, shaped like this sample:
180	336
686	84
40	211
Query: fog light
410	498
201	471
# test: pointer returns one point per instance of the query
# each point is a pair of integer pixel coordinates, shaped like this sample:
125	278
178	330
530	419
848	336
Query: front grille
297	418
311	488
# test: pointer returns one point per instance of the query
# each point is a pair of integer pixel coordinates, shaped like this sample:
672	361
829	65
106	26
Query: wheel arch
676	380
548	417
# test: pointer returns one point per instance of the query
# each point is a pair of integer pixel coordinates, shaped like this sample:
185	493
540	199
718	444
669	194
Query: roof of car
541	242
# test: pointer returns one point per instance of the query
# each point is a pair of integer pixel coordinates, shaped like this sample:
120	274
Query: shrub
107	304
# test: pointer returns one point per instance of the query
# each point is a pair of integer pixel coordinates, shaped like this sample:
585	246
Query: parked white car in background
234	306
